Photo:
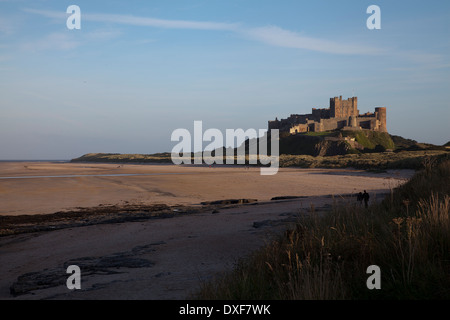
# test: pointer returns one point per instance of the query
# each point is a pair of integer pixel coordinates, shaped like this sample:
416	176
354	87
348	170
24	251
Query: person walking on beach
366	198
359	198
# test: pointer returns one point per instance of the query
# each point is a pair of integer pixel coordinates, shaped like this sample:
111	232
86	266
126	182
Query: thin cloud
422	58
59	41
279	37
140	21
271	35
160	23
8	25
47	13
103	35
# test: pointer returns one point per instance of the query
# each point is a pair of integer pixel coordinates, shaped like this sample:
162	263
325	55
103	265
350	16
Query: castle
341	115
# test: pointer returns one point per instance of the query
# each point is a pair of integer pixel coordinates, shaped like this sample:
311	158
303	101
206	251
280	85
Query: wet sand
51	187
155	258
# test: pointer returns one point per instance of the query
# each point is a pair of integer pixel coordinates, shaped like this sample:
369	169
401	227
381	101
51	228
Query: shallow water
97	175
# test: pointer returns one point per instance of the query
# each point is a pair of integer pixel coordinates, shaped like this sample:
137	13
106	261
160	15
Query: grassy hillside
372	140
300	144
380	160
124	158
369	150
407	236
332	143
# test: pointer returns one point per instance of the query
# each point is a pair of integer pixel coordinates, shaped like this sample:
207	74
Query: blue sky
138	70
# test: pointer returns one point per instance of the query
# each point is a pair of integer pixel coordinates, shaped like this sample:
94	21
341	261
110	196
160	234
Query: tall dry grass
326	257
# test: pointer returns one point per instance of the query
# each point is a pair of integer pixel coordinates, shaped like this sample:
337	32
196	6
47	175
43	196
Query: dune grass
326	257
380	160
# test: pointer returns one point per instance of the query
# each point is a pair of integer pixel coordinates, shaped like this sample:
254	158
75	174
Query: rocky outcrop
103	265
229	201
331	148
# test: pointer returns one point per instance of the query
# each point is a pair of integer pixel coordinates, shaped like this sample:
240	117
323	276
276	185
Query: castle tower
355	111
335	106
343	108
381	116
352	122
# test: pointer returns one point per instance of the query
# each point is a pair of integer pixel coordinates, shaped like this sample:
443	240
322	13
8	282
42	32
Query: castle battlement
341	115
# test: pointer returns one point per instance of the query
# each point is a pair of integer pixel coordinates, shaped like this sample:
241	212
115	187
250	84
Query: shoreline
150	237
151	259
11	225
54	187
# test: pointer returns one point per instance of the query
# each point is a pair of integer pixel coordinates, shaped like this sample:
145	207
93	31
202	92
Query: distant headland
335	137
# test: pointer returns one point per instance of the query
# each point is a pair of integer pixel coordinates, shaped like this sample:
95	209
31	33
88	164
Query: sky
138	70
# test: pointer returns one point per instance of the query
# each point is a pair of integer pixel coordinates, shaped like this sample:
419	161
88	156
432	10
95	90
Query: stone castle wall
342	114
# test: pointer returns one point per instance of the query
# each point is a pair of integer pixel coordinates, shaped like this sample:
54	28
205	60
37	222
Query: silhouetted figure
359	198
366	198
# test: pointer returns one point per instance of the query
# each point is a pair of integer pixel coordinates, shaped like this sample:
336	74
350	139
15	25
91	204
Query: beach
166	257
46	187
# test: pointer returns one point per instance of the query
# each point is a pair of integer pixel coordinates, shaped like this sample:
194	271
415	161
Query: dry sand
34	193
156	258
